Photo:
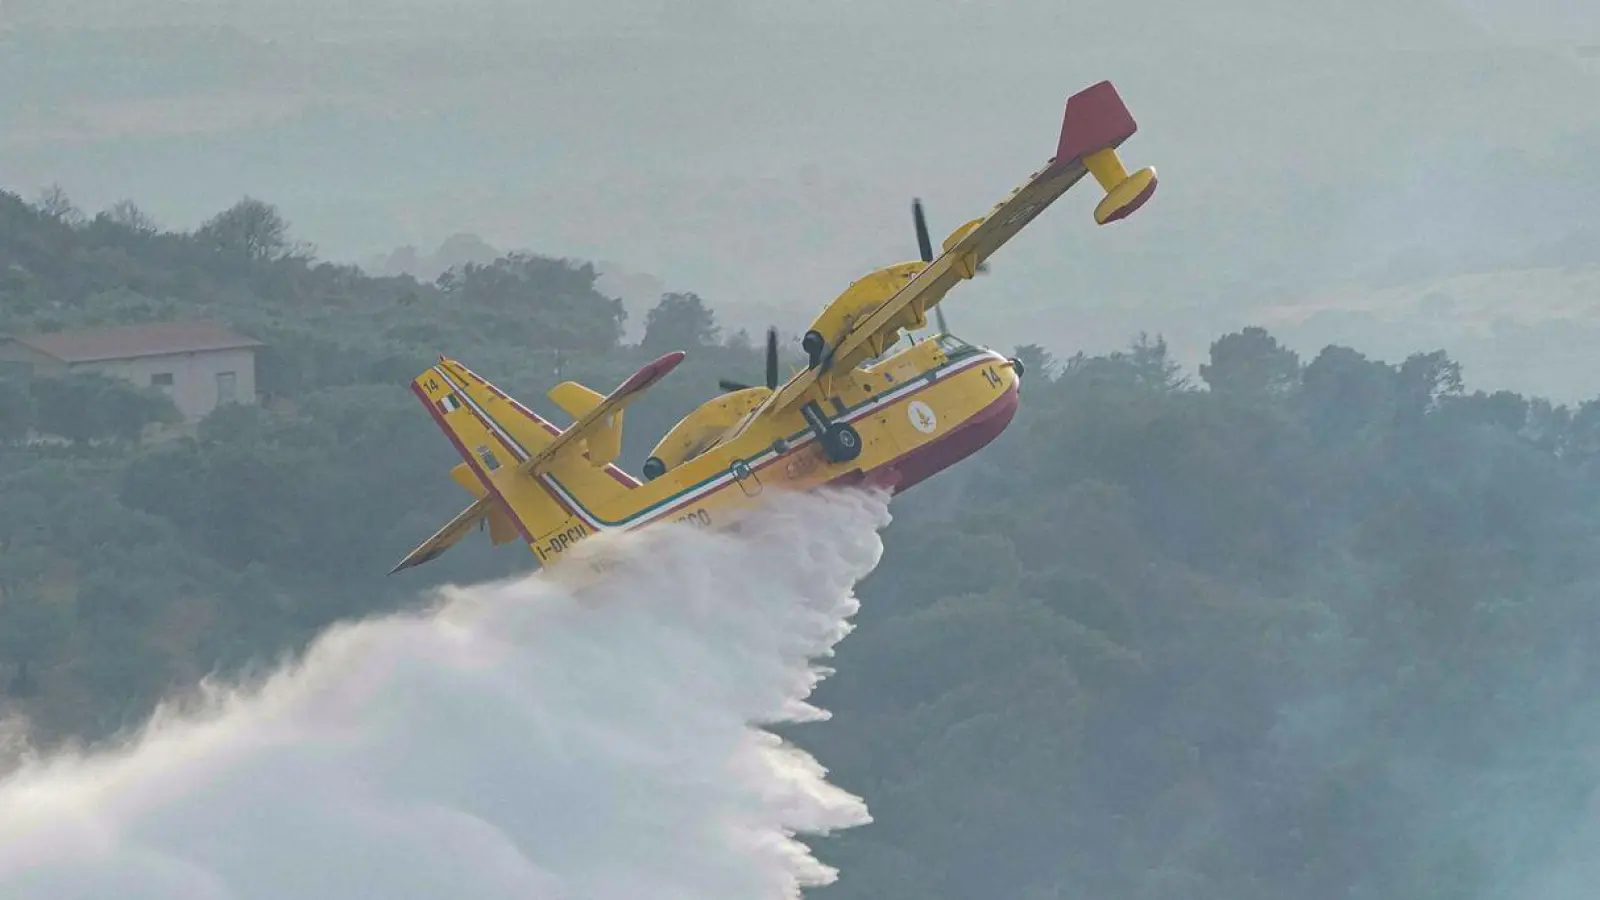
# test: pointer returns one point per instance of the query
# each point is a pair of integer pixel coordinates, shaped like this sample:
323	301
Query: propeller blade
924	243
772	367
772	358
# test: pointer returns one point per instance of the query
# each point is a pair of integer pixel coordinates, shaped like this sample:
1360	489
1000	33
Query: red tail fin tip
1096	118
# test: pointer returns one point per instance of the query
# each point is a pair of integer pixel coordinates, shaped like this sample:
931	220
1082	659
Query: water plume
535	738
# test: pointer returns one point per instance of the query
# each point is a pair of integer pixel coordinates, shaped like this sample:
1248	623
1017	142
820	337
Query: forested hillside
1281	627
130	571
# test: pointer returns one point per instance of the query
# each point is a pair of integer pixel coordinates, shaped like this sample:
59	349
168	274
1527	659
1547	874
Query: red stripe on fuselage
471	461
937	455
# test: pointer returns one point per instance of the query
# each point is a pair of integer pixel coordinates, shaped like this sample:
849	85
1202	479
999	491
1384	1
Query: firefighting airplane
855	413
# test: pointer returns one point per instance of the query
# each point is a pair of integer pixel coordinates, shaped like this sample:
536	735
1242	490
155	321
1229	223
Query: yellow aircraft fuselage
916	412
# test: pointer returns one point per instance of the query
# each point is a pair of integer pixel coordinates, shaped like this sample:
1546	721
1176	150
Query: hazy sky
764	153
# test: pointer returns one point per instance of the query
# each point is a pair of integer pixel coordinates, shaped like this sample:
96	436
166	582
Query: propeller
925	244
772	366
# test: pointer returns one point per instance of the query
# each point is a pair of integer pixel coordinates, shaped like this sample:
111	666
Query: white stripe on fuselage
483	416
672	503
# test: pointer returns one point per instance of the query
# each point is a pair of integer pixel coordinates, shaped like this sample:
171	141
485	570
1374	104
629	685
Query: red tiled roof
133	341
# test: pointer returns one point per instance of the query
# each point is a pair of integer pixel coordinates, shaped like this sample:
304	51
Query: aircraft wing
602	413
1095	124
448	536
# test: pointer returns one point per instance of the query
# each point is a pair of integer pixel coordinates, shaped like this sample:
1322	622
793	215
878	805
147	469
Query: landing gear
841	442
654	468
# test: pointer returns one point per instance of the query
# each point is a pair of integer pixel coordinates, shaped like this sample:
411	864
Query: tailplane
530	479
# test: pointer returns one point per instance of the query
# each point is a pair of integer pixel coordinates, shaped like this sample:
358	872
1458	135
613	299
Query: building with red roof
199	365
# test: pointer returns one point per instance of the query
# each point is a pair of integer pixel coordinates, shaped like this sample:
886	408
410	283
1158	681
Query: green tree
1424	380
1037	362
1344	392
54	203
536	302
1251	363
678	322
87	406
250	229
1145	366
127	214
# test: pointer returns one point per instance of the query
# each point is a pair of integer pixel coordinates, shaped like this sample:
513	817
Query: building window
226	384
162	380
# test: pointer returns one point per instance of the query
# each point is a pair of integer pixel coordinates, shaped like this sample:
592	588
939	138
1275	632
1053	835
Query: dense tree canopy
679	322
84	406
1294	628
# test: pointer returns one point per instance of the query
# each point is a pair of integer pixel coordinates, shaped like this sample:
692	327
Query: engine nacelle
698	430
864	295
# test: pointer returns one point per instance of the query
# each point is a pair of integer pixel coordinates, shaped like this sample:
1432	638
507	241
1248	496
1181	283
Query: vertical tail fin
495	436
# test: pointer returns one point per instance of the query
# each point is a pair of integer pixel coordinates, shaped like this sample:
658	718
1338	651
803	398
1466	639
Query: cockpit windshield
949	343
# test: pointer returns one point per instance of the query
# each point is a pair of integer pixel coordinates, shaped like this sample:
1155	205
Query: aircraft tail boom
512	458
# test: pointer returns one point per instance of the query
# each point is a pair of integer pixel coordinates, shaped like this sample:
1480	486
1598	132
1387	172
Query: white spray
529	740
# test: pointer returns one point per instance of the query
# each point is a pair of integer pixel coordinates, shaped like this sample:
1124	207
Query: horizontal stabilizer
606	414
574	399
492	433
604	442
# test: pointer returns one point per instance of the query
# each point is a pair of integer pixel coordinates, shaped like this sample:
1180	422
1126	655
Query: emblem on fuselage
490	461
922	417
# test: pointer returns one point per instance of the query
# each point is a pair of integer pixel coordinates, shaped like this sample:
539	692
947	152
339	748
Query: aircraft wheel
841	442
654	468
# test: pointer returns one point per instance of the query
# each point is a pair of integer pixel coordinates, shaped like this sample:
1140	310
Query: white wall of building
198	380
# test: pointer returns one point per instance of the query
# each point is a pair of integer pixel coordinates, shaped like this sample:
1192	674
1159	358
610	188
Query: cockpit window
952	345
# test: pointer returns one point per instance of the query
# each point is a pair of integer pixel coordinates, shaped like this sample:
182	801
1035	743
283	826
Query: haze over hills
1309	626
638	291
763	154
1316	626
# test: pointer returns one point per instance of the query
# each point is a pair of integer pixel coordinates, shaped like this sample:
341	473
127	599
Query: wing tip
406	563
652	372
1126	200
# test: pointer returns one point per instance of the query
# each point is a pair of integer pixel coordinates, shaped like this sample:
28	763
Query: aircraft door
749	481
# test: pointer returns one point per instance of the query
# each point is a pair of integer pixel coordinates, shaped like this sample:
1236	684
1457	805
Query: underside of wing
448	536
